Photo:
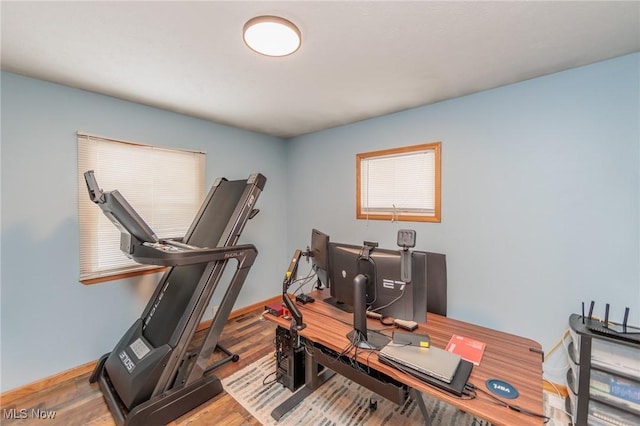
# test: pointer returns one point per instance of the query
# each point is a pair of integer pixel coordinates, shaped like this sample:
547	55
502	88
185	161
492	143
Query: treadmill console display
139	348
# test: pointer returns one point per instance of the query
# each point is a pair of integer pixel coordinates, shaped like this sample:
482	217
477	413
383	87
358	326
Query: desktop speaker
437	283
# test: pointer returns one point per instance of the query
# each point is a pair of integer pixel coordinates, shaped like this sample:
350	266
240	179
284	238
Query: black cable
264	381
277	358
499	401
305	280
404	287
387	321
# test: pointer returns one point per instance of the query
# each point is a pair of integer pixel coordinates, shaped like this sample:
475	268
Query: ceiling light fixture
271	36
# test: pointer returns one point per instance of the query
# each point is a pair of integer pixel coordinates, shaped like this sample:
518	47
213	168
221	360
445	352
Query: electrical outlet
556	401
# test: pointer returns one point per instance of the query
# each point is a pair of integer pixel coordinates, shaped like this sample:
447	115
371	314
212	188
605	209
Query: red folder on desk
469	349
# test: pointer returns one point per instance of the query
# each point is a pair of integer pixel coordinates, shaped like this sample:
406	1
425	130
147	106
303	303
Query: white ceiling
359	59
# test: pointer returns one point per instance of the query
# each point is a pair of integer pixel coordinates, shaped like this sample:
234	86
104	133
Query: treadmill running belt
183	280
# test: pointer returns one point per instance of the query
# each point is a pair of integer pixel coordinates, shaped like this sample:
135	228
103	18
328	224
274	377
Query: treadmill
155	374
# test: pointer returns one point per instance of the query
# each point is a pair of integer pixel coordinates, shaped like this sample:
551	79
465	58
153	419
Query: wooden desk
506	357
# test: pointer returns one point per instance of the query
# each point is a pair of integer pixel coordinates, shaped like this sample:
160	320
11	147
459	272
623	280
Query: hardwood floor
77	402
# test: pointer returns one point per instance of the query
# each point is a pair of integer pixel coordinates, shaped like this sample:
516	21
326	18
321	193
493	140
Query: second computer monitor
319	252
394	297
343	267
320	249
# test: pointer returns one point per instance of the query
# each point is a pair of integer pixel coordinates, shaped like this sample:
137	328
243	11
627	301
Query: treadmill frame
183	385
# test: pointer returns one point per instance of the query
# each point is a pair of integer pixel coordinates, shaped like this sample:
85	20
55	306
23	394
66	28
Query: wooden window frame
436	147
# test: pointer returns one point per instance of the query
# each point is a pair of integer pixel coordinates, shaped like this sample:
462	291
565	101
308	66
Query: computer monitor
375	283
346	261
320	249
394	297
319	253
386	293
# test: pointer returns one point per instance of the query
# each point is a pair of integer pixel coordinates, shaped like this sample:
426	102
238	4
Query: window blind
403	182
165	186
400	184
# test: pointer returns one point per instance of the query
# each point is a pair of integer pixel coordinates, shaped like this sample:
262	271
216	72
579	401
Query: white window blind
165	186
400	184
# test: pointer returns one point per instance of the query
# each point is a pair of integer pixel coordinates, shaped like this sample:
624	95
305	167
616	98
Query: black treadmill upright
154	375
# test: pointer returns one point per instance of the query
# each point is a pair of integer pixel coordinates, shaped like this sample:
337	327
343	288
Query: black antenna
626	317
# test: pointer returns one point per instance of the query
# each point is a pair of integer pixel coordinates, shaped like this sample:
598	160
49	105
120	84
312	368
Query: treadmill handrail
119	211
152	254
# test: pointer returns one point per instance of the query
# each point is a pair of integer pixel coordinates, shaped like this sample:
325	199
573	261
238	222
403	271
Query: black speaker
437	283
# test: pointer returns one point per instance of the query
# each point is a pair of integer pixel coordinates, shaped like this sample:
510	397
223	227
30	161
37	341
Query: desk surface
506	357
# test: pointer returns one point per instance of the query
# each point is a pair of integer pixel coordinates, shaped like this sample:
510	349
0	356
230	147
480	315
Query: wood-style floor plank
77	402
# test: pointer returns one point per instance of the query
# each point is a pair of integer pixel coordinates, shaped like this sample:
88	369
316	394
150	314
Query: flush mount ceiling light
271	36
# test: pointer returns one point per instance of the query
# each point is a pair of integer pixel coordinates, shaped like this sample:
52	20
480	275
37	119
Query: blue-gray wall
50	321
540	193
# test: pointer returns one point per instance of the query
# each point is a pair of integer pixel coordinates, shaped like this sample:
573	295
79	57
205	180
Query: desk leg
311	382
423	408
310	372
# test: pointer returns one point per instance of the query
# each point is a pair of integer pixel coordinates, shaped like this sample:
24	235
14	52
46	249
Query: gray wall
50	321
540	195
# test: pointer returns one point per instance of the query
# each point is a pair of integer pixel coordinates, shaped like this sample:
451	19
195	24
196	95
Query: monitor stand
360	336
374	341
